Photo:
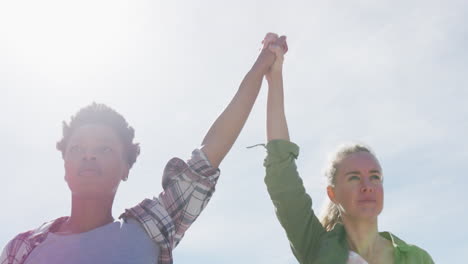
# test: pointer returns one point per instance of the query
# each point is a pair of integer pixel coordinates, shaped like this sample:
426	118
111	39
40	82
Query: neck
362	236
88	212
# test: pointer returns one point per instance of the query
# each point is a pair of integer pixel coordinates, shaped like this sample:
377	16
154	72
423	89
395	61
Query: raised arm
225	130
277	127
293	205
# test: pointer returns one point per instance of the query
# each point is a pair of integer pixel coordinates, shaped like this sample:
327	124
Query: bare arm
277	127
225	130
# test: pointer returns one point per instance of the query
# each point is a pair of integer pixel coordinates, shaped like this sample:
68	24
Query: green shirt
310	242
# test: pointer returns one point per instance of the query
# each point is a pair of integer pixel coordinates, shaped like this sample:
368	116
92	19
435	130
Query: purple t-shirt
118	242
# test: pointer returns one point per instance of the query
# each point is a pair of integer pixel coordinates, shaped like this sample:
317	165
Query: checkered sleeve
188	187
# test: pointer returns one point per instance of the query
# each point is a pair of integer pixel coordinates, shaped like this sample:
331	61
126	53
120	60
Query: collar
398	244
47	227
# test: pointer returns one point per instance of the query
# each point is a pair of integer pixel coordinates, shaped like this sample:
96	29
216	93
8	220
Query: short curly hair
102	114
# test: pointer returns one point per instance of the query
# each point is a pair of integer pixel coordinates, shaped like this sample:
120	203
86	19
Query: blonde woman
348	233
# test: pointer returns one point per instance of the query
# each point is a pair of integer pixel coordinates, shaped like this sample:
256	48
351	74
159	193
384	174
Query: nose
366	186
89	155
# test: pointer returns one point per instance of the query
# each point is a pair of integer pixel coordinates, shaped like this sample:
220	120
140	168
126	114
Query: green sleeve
293	205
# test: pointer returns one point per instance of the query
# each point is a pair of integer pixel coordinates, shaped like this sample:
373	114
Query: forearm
225	130
277	127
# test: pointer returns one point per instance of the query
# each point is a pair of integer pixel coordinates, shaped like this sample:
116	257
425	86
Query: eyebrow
80	139
357	172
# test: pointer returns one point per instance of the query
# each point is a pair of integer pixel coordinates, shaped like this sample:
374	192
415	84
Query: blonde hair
331	214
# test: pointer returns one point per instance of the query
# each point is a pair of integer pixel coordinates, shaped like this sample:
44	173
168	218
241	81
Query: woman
348	232
98	151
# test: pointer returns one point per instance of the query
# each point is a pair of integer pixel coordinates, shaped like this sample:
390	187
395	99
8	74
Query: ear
64	170
331	193
125	173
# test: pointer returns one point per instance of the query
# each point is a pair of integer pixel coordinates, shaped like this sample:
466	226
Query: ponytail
330	216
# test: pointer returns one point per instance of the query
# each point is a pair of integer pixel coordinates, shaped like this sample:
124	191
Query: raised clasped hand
278	46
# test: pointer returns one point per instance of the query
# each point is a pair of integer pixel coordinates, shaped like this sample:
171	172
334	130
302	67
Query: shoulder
16	248
415	253
411	252
34	234
18	240
23	243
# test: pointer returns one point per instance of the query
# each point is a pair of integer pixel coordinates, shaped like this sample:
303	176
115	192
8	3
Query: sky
391	74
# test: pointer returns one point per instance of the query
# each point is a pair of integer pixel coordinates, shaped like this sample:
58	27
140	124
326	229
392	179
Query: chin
88	194
369	215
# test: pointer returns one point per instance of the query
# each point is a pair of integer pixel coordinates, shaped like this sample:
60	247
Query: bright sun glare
62	42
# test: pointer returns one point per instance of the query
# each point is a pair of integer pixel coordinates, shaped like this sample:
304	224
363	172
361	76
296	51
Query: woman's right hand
279	47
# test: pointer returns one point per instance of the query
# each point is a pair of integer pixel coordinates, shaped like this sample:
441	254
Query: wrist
259	68
274	76
256	71
264	61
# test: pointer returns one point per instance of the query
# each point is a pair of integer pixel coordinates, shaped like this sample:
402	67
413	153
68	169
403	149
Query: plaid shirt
188	186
